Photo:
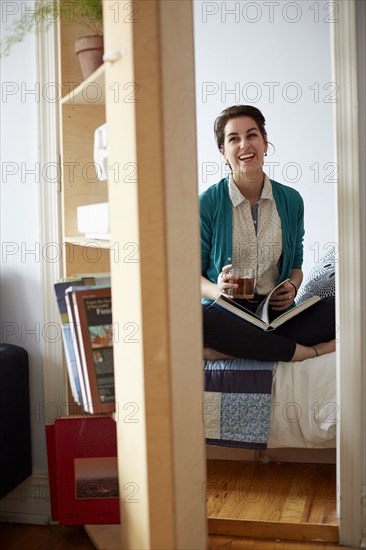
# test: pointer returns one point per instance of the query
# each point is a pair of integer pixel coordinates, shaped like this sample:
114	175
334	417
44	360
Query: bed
271	411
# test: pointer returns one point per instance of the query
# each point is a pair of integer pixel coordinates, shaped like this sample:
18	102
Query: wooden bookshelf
90	91
146	96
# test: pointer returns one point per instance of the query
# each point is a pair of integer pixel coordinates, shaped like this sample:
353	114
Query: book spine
75	339
71	363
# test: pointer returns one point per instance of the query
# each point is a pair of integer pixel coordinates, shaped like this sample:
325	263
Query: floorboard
296	501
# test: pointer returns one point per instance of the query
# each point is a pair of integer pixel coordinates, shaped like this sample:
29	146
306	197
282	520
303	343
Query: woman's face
244	147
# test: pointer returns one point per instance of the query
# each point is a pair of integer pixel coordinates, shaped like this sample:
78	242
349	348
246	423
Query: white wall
20	266
275	56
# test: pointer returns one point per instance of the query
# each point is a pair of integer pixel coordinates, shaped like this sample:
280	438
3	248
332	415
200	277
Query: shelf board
84	241
90	92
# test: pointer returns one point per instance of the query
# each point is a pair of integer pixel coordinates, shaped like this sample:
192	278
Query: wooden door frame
54	375
351	303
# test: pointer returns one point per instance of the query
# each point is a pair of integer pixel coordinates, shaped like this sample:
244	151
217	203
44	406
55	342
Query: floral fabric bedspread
238	402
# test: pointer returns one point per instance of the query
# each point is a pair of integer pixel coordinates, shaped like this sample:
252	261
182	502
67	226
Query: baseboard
28	503
294	531
321	456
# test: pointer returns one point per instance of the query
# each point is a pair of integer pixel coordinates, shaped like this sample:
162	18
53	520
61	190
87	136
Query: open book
261	316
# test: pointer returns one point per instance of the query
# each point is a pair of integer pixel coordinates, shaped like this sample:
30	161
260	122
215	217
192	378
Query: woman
248	220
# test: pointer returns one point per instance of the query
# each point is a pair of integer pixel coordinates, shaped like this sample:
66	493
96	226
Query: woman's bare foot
307	352
212	355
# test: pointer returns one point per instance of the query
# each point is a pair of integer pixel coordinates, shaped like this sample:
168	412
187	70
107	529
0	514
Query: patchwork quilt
238	402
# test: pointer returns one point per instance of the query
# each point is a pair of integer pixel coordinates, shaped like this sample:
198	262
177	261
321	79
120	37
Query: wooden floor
35	537
276	500
250	506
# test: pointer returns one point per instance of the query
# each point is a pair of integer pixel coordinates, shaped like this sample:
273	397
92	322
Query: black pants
228	334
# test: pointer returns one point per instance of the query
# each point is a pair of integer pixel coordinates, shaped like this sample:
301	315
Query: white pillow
321	279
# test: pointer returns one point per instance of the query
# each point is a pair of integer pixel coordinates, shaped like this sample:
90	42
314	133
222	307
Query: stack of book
85	306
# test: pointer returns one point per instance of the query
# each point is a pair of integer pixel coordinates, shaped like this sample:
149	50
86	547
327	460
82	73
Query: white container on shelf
93	220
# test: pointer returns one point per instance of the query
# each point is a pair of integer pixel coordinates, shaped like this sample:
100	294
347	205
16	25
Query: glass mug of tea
245	281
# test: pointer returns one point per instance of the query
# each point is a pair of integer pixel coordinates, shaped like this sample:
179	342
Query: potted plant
87	13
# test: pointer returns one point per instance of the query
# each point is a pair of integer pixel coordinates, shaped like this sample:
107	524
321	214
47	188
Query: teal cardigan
216	228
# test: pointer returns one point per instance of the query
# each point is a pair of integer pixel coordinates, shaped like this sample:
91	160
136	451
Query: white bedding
305	410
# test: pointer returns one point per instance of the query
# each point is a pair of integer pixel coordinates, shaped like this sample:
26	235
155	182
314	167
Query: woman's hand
226	281
283	297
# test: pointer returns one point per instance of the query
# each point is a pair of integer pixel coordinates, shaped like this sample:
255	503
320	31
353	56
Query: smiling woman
251	222
257	212
241	136
256	208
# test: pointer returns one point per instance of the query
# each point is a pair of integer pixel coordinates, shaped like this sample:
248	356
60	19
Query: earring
265	154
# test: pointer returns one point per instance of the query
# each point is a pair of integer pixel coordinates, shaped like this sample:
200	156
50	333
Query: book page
262	310
243	313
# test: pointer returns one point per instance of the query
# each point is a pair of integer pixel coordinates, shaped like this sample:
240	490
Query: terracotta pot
90	51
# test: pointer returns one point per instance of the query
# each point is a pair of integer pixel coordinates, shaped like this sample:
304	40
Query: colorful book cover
68	336
86	470
101	279
92	310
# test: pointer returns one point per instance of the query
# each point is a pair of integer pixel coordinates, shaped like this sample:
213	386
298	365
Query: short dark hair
234	112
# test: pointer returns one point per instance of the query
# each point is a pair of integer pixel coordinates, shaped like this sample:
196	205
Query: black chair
15	435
